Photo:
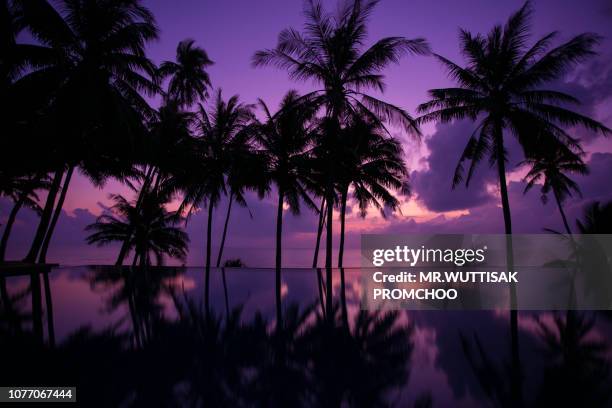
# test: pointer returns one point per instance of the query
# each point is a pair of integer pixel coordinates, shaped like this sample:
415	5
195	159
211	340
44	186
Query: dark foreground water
135	338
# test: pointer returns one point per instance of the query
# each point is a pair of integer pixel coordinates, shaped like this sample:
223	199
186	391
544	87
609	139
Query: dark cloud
432	186
529	214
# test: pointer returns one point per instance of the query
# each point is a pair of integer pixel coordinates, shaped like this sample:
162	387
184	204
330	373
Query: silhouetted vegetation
83	97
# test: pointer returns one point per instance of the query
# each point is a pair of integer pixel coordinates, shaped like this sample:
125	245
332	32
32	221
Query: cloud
529	214
433	185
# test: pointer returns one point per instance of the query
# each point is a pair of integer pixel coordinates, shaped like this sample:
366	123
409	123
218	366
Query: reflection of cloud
182	282
284	289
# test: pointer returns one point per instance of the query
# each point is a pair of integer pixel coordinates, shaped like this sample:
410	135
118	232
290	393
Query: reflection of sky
438	362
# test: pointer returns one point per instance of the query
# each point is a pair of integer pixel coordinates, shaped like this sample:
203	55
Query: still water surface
135	338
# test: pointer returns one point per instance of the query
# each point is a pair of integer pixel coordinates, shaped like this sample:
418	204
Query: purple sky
231	31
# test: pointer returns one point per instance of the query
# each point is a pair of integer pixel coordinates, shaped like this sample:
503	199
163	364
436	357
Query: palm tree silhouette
501	87
188	84
285	142
168	153
578	369
245	169
223	132
597	219
92	61
189	81
22	192
358	367
372	164
155	230
551	167
330	51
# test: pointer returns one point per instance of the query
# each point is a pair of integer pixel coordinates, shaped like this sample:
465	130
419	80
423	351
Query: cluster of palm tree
325	145
75	99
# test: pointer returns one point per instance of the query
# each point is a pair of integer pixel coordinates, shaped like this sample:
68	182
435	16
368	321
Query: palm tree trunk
125	246
501	167
321	296
572	301
278	263
208	251
342	226
45	217
37	325
315	259
560	206
227	309
8	227
58	210
340	256
227	217
329	305
49	309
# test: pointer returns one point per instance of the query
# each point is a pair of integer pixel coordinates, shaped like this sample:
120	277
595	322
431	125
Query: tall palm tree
330	51
551	168
372	165
285	143
169	151
92	78
23	194
189	81
155	234
501	87
245	170
223	131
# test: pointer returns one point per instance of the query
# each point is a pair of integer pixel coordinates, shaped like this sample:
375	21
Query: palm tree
94	69
155	234
245	170
189	81
330	51
23	194
551	167
501	86
169	152
371	164
223	132
284	140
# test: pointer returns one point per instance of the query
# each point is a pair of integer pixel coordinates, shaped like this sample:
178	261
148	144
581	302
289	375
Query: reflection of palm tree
501	86
578	370
91	60
223	133
329	51
140	290
358	367
23	194
551	167
189	81
154	231
597	219
282	379
285	141
220	352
